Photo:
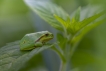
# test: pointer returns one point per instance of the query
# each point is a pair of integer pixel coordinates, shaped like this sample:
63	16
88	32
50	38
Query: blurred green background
16	20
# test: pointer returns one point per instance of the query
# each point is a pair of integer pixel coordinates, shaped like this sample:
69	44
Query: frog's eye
46	34
24	42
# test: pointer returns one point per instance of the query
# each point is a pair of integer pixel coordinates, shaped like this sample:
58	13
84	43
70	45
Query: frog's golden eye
46	34
23	42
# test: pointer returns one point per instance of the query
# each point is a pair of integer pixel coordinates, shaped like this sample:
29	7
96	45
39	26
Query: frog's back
30	38
37	35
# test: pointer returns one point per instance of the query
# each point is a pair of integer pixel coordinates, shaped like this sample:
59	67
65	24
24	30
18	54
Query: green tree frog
33	40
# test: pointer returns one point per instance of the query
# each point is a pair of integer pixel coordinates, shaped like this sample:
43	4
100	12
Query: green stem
60	54
62	58
63	66
72	50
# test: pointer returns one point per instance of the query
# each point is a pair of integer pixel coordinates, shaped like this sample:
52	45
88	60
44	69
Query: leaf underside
46	10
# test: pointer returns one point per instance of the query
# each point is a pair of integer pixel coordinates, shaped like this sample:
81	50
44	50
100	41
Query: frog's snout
52	35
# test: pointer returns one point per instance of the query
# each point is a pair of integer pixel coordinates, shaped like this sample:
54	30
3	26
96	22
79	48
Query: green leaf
65	23
85	30
62	21
87	21
62	41
46	10
77	14
12	58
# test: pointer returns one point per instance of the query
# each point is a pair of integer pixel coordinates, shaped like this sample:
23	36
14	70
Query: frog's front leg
38	44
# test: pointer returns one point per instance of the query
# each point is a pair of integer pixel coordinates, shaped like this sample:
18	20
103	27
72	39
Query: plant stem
63	66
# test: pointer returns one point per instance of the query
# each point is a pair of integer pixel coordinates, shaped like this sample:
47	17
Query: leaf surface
12	58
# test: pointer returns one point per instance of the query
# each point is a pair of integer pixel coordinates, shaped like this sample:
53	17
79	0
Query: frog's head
46	36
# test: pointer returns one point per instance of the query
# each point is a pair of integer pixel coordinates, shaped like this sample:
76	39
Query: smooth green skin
33	40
